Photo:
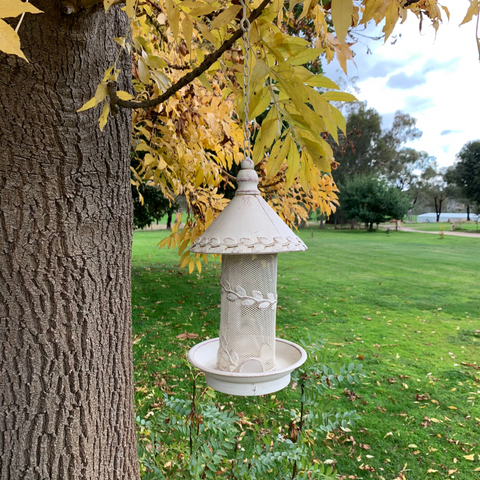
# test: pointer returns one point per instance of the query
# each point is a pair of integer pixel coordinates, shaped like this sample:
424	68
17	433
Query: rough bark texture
66	393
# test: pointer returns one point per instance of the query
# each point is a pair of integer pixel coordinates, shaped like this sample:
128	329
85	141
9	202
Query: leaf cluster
206	440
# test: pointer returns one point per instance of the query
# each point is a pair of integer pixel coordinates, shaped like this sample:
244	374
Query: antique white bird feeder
247	359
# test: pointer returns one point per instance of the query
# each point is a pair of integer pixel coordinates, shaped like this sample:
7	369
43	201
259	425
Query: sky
436	79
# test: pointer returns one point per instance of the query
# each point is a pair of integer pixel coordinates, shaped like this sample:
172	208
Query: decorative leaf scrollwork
256	299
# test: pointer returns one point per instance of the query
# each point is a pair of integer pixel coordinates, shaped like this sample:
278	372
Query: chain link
245	26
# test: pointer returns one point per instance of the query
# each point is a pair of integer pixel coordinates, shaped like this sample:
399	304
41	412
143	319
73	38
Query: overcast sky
435	80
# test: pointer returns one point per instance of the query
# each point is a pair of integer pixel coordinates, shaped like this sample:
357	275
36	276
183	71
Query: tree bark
66	371
438	207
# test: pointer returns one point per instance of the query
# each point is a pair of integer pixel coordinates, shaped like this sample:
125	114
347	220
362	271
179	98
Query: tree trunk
468	212
438	208
66	372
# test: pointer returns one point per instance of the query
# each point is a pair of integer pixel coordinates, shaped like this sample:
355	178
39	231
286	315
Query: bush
197	438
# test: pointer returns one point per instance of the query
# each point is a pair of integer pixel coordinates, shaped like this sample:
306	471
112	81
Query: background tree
366	149
357	152
371	200
430	189
150	205
465	174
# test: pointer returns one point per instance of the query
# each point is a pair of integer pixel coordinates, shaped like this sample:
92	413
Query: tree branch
228	175
264	187
189	77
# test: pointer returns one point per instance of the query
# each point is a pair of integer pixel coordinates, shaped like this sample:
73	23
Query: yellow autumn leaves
188	145
9	39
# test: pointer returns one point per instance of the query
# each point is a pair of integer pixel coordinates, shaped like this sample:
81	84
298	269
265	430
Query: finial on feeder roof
248	224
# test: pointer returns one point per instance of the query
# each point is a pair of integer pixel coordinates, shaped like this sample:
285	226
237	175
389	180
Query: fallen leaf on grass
422	396
469	457
431	470
453	408
471	365
185	335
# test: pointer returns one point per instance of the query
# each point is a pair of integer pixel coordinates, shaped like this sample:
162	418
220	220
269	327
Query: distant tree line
380	178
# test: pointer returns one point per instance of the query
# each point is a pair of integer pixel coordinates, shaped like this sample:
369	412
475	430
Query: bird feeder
247	359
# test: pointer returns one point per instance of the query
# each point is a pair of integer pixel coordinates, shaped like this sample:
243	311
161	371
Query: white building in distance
444	217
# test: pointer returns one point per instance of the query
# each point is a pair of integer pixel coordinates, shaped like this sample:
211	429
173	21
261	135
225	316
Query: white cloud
434	79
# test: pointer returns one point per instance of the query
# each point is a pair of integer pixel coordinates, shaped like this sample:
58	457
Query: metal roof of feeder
248	224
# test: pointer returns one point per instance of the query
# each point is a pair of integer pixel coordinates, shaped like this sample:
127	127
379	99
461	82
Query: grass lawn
435	227
406	305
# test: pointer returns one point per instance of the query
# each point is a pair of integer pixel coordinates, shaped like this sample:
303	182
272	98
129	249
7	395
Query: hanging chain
245	25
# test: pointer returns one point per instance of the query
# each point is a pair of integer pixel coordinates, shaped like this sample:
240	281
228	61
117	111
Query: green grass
406	304
435	227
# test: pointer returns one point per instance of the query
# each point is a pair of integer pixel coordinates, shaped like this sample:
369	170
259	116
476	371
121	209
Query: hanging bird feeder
247	359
